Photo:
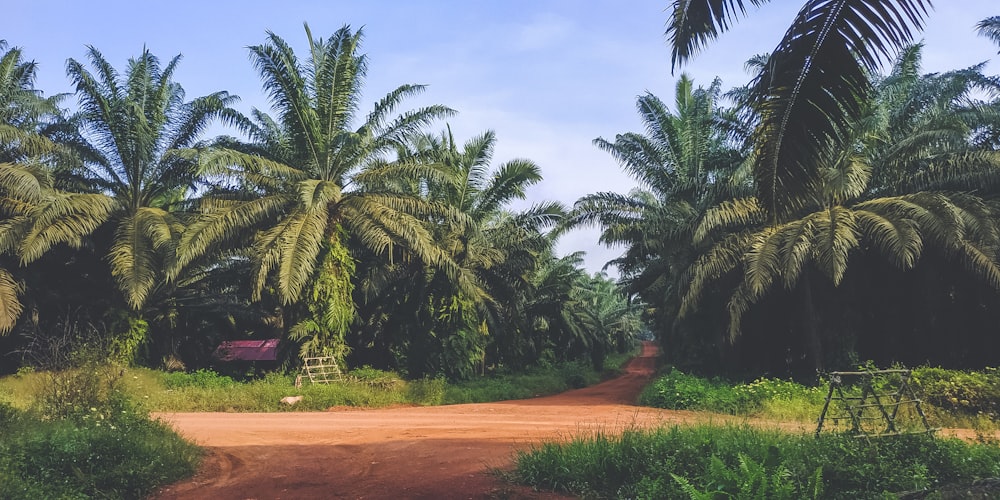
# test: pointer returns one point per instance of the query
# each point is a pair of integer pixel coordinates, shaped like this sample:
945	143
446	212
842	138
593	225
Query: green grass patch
743	462
765	397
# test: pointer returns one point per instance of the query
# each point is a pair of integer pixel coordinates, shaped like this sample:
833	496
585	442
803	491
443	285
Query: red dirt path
414	452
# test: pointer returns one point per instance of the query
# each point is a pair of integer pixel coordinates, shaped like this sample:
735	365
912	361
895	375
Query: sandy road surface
411	452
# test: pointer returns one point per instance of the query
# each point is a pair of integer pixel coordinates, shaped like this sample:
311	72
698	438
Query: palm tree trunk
810	322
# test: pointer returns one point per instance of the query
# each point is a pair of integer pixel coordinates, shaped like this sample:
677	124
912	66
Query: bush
376	378
774	397
427	392
966	393
205	379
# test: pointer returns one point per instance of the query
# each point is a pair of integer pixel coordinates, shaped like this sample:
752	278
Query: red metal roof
247	350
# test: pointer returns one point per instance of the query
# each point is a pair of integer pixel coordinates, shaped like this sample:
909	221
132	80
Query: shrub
205	379
966	393
376	378
426	392
767	397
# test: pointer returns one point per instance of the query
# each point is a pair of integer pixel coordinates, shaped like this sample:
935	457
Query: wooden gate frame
855	406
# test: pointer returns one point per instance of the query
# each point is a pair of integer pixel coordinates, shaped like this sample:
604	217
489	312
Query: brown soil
415	452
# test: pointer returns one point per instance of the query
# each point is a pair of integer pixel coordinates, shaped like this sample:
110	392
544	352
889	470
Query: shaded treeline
832	211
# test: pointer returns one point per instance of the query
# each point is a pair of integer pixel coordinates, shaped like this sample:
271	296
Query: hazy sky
548	76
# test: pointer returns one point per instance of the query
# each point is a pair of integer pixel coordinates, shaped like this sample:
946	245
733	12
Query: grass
743	462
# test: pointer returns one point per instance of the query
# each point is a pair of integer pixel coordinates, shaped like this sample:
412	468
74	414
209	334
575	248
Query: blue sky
548	76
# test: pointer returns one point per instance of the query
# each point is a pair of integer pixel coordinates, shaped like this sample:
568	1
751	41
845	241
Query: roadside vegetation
950	398
841	206
706	462
83	436
206	390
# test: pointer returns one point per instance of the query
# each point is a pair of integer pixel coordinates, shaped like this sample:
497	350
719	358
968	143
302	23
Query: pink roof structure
247	350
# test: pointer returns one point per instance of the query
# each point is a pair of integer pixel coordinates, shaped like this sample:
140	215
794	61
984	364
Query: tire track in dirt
435	452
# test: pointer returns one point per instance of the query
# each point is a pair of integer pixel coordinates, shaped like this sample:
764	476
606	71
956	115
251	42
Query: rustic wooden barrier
874	412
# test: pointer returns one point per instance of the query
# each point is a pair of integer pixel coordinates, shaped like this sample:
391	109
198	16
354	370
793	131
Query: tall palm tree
448	330
22	112
688	161
312	178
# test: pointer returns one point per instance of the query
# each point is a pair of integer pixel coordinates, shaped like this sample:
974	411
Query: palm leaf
694	22
10	304
814	87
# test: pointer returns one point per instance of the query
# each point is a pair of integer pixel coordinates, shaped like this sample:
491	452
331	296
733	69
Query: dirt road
413	452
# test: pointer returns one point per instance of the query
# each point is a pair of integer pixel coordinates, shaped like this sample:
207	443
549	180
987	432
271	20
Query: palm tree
312	178
446	329
22	111
687	162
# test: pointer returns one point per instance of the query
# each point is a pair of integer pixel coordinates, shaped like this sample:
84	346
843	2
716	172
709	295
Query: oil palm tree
22	111
688	161
449	329
312	178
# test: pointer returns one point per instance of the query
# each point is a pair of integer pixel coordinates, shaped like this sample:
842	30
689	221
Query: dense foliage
359	236
83	437
949	398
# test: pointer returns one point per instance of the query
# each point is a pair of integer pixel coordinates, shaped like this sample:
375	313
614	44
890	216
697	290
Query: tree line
828	213
360	235
840	207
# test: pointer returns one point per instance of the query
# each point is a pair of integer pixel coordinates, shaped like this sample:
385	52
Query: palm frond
10	303
814	87
693	23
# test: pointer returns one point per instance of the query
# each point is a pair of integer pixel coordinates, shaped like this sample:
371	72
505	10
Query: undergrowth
950	398
206	390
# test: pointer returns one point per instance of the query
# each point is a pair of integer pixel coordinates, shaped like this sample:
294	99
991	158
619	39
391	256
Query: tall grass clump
84	438
744	462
